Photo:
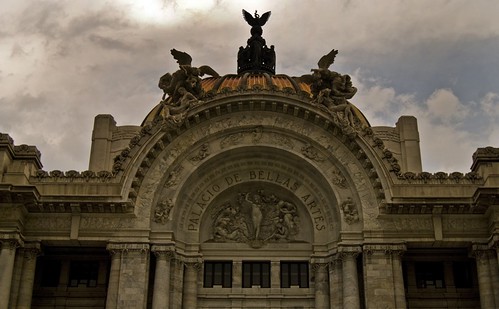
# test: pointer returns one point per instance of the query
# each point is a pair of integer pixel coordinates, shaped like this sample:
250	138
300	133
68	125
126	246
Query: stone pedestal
132	276
7	257
351	299
161	291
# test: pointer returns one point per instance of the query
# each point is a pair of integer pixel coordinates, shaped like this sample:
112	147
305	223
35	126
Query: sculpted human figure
256	213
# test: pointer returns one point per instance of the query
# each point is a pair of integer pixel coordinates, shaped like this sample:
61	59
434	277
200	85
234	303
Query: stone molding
386	249
481	252
125	248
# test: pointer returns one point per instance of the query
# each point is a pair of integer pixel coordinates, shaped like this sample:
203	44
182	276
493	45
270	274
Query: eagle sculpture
256	22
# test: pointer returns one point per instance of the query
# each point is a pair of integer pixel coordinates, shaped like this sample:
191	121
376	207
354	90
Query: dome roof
248	82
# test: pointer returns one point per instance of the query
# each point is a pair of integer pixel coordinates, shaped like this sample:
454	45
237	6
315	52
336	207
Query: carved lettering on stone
258	218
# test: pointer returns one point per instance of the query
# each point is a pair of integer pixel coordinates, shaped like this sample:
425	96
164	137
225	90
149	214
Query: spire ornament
256	57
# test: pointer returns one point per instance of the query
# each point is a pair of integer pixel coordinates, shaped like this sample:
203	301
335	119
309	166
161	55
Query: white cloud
443	105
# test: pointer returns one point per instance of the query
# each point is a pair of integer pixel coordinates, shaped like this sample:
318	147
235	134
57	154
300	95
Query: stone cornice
128	248
20	152
386	249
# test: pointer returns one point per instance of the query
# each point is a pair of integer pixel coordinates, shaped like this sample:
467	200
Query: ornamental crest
256	219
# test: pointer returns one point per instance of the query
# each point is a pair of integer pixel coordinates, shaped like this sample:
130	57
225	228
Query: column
7	257
161	291
351	299
190	295
133	275
178	282
481	253
114	277
335	283
31	252
16	278
398	275
494	272
321	285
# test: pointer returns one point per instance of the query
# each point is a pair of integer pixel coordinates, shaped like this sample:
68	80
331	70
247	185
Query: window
218	273
83	273
463	274
256	274
50	273
429	275
294	274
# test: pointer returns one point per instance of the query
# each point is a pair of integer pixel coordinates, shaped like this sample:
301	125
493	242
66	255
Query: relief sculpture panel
255	218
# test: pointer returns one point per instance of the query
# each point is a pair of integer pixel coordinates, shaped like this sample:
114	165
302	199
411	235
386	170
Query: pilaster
161	291
133	275
335	283
321	285
9	244
482	254
30	253
348	256
190	295
383	275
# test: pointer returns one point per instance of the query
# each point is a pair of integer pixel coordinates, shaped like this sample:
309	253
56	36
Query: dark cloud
69	61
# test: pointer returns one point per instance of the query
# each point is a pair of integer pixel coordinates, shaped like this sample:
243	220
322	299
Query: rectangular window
463	274
429	275
50	272
83	273
218	273
256	274
294	274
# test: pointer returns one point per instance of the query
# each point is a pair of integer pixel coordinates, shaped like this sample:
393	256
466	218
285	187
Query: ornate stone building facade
253	190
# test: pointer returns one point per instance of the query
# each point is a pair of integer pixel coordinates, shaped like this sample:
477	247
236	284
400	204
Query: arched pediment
172	164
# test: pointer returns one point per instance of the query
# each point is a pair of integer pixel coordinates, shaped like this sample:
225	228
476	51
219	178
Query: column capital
194	265
387	249
32	250
480	251
166	252
11	241
345	252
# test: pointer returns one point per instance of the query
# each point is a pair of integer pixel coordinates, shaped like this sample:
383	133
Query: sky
64	62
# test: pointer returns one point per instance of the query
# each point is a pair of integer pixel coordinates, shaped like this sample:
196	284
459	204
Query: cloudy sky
64	62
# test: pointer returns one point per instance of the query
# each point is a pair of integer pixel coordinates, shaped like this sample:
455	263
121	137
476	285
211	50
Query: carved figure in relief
162	211
259	218
350	212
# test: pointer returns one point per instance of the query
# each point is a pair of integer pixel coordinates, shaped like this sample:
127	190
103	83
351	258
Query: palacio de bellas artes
249	190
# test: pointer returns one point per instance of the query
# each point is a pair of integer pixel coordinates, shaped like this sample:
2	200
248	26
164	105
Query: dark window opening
50	273
256	274
294	274
463	274
83	273
217	273
430	275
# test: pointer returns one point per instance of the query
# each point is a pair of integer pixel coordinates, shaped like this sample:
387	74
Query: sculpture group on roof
256	56
183	88
330	90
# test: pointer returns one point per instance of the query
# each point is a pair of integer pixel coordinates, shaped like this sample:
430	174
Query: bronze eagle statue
257	20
